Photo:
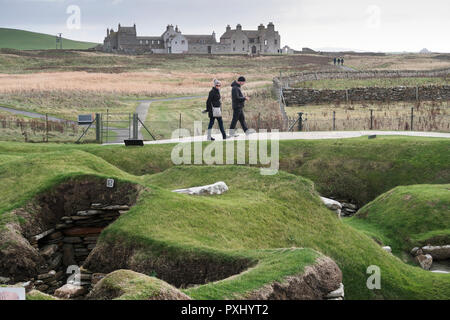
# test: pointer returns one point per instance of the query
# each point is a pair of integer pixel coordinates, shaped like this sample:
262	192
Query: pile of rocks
70	243
425	255
342	209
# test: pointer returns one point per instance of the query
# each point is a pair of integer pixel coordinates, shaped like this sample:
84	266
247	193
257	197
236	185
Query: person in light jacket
214	101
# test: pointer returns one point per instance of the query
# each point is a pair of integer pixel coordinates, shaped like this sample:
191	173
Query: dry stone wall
300	96
304	96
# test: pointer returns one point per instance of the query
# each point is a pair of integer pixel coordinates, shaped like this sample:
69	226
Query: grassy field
357	168
399	61
238	224
342	84
428	116
26	40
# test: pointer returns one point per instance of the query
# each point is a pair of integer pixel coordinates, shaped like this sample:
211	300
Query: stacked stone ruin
70	243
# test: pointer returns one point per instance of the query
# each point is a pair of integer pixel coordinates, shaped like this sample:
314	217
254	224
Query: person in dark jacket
238	103
334	60
214	101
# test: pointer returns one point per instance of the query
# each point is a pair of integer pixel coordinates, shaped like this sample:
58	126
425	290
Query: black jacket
213	100
237	98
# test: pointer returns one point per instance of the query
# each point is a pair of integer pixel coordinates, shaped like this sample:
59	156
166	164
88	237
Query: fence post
179	124
46	127
300	121
98	128
259	121
371	119
334	120
135	126
417	93
412	118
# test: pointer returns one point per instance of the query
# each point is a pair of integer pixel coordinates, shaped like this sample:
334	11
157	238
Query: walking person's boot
209	138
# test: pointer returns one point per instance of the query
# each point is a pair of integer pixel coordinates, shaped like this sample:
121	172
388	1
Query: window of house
183	42
265	42
146	41
243	41
234	49
234	41
140	41
243	49
276	41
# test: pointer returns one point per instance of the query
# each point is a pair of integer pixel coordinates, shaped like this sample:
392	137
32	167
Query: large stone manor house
264	40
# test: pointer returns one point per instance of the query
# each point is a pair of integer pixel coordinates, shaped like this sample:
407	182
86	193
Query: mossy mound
130	285
408	216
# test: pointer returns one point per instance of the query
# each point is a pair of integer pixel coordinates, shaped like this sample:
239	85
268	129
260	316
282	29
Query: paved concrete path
316	135
34	115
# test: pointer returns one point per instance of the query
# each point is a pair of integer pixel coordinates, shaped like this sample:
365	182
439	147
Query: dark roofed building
262	40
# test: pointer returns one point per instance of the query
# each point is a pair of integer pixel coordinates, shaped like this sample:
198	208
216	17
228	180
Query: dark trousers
238	115
211	123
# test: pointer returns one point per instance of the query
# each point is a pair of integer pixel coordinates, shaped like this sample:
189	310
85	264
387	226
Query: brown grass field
66	83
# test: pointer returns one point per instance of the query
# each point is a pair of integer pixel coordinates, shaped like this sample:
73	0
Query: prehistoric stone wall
303	96
300	96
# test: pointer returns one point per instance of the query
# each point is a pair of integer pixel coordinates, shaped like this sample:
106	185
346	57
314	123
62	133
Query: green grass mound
252	221
26	40
37	295
408	216
130	285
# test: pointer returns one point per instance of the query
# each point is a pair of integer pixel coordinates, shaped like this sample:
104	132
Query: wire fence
119	127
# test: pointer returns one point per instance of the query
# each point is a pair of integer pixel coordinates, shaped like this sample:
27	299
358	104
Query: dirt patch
180	270
314	283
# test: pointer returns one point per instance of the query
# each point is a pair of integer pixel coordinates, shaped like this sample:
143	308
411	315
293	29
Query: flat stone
4	280
349	206
77	218
42	287
89	213
42	235
387	249
49	250
96	277
72	240
69	291
437	252
331	204
82	231
338	293
116	207
414	251
56	261
212	189
425	261
46	276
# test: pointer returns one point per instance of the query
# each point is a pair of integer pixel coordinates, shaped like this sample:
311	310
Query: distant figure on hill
334	60
214	109
342	61
238	103
338	61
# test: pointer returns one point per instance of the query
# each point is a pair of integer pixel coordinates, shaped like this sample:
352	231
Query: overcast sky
375	25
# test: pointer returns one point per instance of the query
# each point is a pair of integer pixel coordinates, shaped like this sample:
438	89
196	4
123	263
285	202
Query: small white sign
110	183
12	293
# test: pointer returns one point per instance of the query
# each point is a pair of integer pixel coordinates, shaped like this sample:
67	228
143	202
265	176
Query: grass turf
238	224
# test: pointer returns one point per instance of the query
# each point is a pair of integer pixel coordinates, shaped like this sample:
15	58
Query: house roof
198	37
248	33
127	29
